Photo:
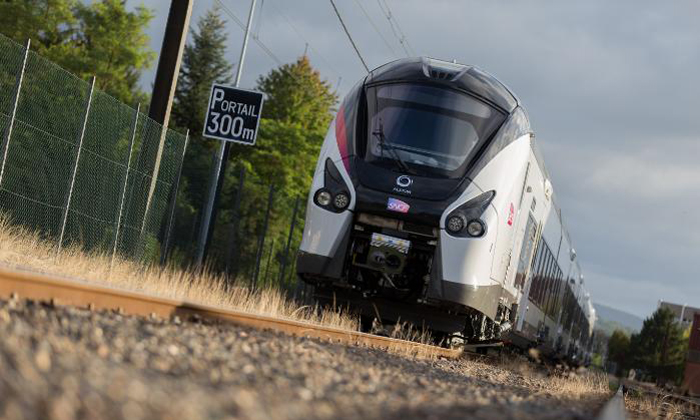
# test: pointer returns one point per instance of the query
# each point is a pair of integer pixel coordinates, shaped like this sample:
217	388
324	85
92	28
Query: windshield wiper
385	144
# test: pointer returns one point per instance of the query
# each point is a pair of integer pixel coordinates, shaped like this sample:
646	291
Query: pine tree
203	63
619	350
659	347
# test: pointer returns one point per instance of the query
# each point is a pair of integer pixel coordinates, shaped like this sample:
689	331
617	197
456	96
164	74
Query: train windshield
426	130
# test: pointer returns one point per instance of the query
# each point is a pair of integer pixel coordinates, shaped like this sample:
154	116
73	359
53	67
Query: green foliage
99	38
659	348
296	94
296	114
49	23
619	350
203	63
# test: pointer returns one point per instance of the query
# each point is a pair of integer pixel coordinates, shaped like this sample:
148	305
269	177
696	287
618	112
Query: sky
612	90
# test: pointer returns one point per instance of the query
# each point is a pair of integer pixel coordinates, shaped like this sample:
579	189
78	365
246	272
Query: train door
526	252
526	226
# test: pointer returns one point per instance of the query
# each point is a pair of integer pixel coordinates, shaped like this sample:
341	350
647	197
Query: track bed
64	363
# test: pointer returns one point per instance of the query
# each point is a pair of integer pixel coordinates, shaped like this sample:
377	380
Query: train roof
459	76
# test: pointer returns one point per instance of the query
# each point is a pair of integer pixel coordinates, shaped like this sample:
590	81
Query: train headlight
475	228
322	198
341	201
466	220
455	224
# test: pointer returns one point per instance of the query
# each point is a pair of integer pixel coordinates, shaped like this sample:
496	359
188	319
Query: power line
258	25
308	44
395	28
255	38
349	37
386	42
403	36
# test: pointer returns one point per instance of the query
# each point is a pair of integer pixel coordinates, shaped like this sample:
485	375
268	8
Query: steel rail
614	409
64	291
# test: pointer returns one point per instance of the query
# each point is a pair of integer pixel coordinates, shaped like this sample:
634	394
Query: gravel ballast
66	363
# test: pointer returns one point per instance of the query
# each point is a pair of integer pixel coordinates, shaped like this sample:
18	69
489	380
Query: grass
579	383
20	247
643	406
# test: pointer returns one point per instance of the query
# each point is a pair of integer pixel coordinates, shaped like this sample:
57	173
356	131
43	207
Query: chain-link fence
76	164
255	237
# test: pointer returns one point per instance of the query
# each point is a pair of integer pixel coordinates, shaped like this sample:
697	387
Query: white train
431	204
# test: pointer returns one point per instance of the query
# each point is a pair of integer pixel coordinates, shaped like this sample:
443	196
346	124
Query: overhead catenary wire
376	28
309	45
398	26
357	51
395	28
255	38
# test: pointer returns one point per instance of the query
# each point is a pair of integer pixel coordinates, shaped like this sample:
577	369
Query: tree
296	114
99	38
619	350
659	347
203	63
297	95
110	44
49	23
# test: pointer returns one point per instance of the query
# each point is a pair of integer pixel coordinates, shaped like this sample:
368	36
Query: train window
537	271
426	129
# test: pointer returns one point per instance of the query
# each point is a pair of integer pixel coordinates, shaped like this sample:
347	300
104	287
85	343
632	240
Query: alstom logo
397	205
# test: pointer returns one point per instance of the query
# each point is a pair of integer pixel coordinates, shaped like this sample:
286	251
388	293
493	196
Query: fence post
15	103
126	182
283	271
86	113
236	210
261	242
269	259
172	204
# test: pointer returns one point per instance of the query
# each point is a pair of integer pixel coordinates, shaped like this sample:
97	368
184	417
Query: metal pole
126	182
289	240
222	154
15	103
203	232
261	243
173	202
236	211
75	167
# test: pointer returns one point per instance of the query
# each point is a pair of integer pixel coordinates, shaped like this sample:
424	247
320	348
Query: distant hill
610	319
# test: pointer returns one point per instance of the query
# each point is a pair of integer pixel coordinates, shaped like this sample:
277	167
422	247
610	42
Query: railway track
65	291
614	409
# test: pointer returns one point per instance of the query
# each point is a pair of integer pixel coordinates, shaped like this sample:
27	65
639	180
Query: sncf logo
511	214
397	205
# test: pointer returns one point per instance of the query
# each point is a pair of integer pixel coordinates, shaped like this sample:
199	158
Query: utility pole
216	182
164	87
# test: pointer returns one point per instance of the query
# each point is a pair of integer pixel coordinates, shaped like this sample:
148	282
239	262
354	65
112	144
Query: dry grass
22	248
580	384
643	406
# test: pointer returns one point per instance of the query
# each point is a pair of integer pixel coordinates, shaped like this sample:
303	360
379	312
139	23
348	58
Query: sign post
219	162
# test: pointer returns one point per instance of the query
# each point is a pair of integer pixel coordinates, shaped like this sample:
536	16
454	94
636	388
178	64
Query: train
431	204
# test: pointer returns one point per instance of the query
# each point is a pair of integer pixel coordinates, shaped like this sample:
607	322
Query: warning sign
233	114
